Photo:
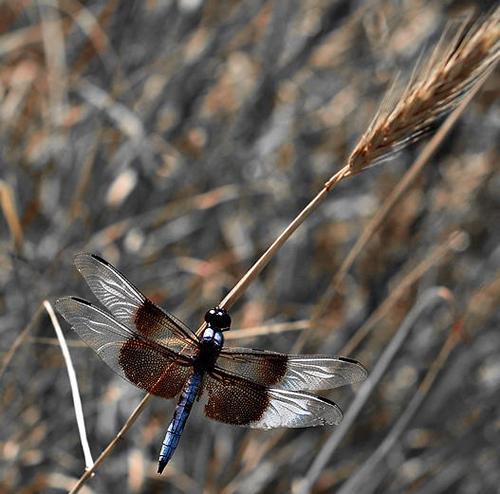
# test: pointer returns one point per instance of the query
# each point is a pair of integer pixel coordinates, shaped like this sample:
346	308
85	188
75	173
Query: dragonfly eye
218	318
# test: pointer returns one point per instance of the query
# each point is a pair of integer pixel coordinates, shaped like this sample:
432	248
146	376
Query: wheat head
450	72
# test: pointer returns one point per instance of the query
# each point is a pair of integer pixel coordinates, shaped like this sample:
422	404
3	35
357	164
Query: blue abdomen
178	422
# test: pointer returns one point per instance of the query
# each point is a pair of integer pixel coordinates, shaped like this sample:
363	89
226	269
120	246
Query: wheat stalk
449	74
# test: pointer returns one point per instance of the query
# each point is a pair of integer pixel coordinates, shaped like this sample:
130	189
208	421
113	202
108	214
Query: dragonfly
158	353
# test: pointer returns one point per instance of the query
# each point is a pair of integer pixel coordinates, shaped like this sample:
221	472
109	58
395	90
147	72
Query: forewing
291	372
234	400
130	307
143	362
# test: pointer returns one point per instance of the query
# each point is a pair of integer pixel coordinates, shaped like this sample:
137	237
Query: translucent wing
130	307
291	372
143	362
234	400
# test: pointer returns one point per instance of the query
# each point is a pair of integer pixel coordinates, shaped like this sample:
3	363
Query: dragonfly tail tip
161	465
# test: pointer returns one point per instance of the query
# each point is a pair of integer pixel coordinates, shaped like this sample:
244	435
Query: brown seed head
449	74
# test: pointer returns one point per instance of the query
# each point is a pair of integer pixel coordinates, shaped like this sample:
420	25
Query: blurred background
177	139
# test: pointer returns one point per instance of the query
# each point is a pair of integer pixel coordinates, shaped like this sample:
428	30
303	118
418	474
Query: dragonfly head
218	318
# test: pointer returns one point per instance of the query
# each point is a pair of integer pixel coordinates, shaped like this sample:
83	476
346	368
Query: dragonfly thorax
211	341
212	337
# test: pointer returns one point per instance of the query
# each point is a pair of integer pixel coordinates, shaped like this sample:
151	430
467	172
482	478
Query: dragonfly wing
130	307
291	372
145	363
234	400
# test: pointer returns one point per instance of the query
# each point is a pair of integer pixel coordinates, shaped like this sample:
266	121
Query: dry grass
180	155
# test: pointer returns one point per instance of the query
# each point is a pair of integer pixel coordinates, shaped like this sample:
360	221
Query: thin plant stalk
77	402
89	472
